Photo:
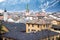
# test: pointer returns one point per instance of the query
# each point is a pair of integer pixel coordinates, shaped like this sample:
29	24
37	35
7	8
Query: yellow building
48	35
55	22
5	29
55	37
37	25
42	35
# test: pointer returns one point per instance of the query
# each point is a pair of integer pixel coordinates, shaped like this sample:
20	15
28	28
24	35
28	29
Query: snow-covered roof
10	20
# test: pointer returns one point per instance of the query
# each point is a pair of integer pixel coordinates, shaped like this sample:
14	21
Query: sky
35	5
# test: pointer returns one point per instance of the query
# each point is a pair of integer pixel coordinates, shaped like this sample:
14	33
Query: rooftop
15	26
30	36
41	21
57	27
46	33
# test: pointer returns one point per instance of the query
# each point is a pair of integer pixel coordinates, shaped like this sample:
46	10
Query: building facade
35	27
55	22
55	37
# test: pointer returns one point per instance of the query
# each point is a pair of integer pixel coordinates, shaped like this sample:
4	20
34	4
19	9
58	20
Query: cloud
1	10
48	4
21	4
2	0
14	2
44	5
53	3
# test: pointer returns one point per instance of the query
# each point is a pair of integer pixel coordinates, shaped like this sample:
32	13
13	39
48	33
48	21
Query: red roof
1	17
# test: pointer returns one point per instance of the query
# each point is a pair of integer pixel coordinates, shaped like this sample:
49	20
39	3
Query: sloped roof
30	36
46	33
20	36
41	21
10	20
15	26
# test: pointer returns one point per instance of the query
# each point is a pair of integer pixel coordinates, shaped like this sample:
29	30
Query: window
32	25
43	25
38	30
28	29
48	38
52	38
47	25
28	24
33	30
38	26
5	39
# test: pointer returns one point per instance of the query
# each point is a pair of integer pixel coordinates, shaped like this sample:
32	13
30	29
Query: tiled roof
1	17
57	15
15	26
41	21
30	36
20	36
46	33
